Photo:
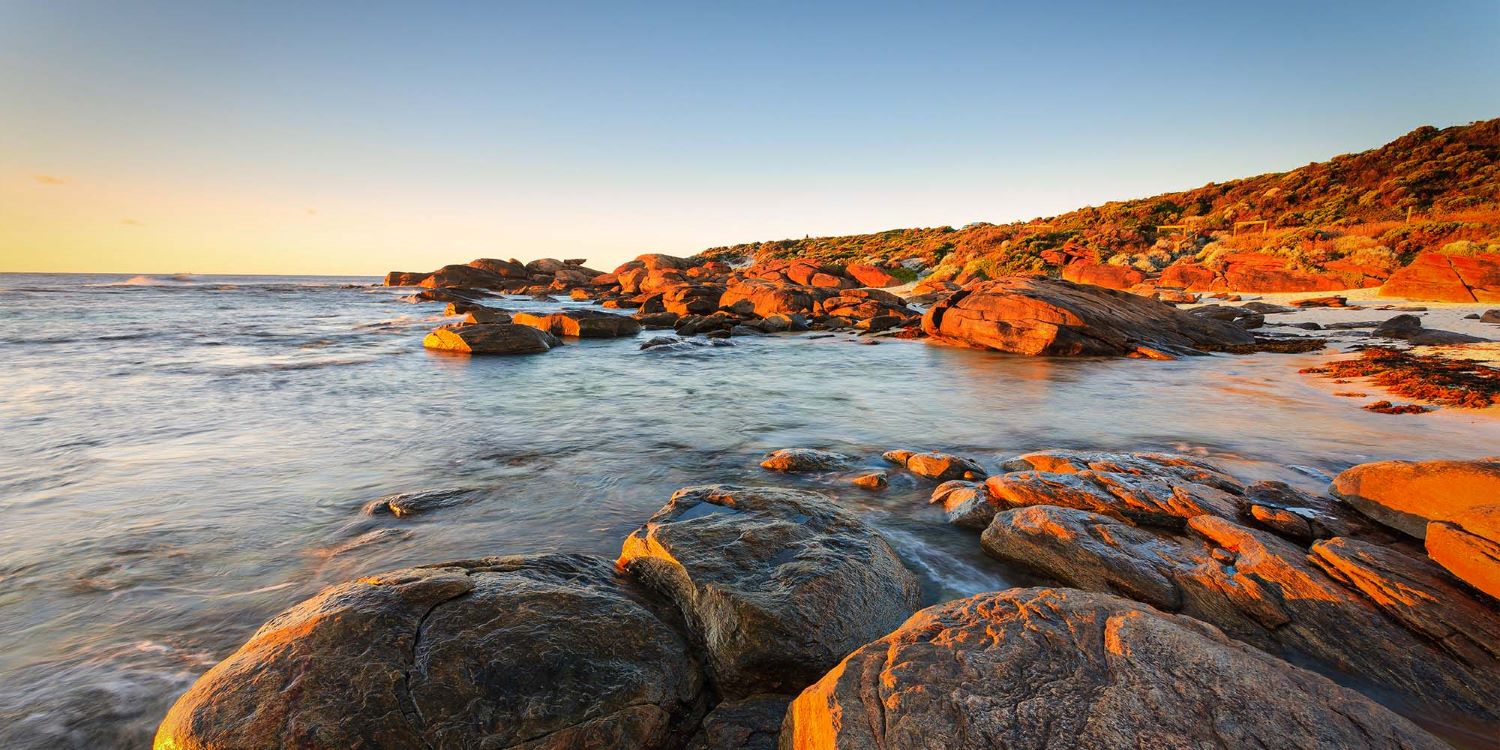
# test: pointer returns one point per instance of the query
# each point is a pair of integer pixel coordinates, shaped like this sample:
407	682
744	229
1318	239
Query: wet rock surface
491	338
1049	668
804	459
779	584
549	651
1406	495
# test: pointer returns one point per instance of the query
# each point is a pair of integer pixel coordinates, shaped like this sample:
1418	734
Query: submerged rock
967	504
541	652
1051	668
1406	495
412	503
779	584
491	338
1041	316
874	480
804	459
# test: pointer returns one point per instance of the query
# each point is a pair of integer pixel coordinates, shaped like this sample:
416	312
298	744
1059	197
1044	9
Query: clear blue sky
357	137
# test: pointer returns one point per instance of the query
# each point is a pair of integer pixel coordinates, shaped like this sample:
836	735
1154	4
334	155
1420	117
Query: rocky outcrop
1268	274
506	269
1406	495
1468	546
551	651
779	584
463	277
491	338
589	324
1447	278
405	278
1050	668
763	298
1262	590
804	459
1040	316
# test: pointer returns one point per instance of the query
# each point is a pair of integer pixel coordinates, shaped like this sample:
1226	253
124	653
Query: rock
779	323
750	724
405	278
1266	308
939	466
1238	315
1446	278
508	269
1468	546
1490	316
966	504
1100	274
1151	489
481	314
548	651
1429	337
581	323
1332	301
691	300
658	320
1050	668
1296	515
1415	593
779	584
804	459
874	480
1172	296
412	503
463	277
1145	464
1256	588
871	276
1399	327
491	338
746	331
1040	316
1406	495
764	299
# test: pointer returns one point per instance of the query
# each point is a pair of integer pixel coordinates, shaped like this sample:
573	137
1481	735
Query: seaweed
1461	383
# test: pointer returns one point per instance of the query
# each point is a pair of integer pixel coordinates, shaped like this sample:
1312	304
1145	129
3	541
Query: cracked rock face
1052	317
548	651
1385	617
779	584
1055	668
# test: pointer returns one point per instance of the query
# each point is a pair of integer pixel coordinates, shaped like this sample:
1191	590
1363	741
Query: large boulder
1041	316
1406	495
550	651
463	277
871	275
691	299
1272	594
1100	274
490	338
804	459
1446	278
507	269
405	278
753	723
1052	668
589	324
763	298
779	584
1468	546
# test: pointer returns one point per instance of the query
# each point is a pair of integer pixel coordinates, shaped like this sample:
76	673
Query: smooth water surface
182	458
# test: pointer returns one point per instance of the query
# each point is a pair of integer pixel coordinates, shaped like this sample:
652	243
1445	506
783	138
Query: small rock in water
412	503
875	480
804	459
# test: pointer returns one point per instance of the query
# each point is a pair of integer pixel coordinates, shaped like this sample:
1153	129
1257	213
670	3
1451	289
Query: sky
361	137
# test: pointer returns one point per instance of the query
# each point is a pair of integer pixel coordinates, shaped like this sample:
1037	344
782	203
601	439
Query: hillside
1351	211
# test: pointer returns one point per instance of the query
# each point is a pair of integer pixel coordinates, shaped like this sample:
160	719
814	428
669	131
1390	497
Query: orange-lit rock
1468	546
779	584
1101	274
1041	316
870	275
1269	593
582	323
1053	668
490	338
763	298
939	466
544	652
462	277
405	278
1446	278
1406	495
